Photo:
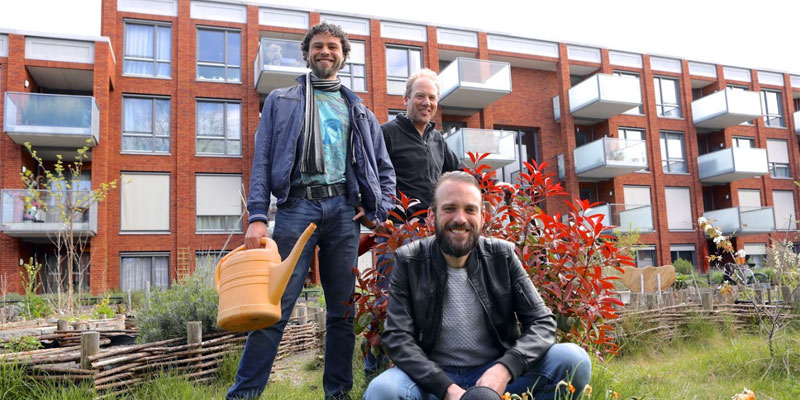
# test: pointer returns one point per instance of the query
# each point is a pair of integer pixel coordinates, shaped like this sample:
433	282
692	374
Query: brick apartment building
169	96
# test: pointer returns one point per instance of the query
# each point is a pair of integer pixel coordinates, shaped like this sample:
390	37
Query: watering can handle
225	258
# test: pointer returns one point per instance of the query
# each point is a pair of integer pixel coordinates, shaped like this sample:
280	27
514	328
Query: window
147	49
145	124
673	159
144	202
744	142
646	257
219	55
138	269
401	62
637	214
749	198
783	207
394	113
772	108
740	87
526	148
354	73
636	110
54	272
217	200
756	253
683	251
679	208
218	128
630	137
668	102
778	155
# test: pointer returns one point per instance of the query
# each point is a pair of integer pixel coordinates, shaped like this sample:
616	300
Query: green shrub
683	266
104	310
34	306
22	343
191	299
715	277
769	272
681	281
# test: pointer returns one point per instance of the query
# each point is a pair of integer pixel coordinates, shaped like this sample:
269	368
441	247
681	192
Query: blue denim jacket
369	174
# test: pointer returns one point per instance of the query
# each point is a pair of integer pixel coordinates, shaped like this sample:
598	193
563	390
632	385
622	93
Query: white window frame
223	64
778	157
666	159
152	256
772	118
225	137
347	74
155	60
409	70
663	108
152	134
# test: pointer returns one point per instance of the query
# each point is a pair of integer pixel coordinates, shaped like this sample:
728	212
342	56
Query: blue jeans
558	364
337	237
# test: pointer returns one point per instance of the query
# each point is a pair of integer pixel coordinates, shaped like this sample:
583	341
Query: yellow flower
587	390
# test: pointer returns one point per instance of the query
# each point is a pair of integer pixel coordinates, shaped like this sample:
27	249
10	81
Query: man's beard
455	249
324	73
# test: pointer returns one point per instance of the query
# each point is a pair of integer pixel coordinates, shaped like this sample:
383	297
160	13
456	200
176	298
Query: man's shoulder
295	91
391	126
492	245
415	250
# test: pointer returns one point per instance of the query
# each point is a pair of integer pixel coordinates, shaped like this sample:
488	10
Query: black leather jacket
414	311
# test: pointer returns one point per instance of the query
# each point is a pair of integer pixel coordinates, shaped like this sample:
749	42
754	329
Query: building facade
168	100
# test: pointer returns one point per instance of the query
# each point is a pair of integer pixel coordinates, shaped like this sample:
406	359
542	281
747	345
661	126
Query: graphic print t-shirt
334	121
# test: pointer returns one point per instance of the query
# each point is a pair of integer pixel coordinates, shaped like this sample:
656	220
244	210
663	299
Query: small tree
58	193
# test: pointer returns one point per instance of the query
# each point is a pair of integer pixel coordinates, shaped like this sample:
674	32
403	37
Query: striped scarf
313	157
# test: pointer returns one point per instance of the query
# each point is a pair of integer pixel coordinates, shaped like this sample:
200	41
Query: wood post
80	325
786	294
707	300
194	332
302	315
651	301
62	325
759	296
90	345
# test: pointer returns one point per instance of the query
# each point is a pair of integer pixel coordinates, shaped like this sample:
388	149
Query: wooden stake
90	345
194	332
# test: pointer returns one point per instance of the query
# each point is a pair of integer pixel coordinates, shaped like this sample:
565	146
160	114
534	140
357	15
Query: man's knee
574	362
391	384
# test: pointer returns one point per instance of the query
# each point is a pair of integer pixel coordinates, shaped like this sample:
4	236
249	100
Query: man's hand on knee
454	392
496	377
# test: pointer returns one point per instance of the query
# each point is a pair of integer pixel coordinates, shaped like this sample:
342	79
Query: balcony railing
557	109
50	120
737	221
23	215
602	96
797	122
469	84
608	157
501	145
625	217
726	108
732	164
278	63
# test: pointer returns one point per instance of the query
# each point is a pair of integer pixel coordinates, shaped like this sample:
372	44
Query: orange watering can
251	282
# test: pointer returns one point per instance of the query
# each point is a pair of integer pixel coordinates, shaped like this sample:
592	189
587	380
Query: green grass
714	362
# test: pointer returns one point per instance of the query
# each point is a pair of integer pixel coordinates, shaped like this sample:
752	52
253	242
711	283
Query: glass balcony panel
22	215
608	157
602	96
501	146
474	84
48	120
737	221
625	217
278	63
797	122
732	164
556	109
726	108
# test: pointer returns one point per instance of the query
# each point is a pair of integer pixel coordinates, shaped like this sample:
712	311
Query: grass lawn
712	363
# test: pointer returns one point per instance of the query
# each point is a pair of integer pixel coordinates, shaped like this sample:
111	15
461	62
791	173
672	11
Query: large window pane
668	102
219	55
141	125
672	153
218	204
218	128
772	108
144	202
211	45
401	62
147	49
137	271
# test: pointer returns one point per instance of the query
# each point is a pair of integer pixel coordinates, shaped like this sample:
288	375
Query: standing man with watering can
320	152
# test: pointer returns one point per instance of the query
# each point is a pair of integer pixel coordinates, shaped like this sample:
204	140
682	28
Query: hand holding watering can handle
225	258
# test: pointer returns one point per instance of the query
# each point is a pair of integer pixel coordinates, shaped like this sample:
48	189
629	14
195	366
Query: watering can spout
280	273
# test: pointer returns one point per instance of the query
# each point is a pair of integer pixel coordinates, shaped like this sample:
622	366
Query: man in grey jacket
456	303
320	152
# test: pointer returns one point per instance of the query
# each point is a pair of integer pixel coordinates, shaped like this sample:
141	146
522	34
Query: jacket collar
404	120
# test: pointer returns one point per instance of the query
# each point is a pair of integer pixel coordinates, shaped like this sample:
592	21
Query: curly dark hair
331	29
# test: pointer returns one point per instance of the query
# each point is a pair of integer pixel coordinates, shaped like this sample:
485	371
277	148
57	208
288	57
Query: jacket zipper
485	312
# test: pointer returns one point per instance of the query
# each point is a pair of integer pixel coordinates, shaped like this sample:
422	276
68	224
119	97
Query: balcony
49	120
625	217
737	221
726	108
557	109
732	164
608	158
602	96
278	63
797	122
501	146
41	218
469	85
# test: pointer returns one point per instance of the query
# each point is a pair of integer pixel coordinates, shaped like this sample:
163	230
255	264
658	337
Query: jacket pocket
529	295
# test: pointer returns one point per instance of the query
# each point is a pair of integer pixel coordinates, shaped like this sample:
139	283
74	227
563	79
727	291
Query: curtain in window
138	44
164	50
136	272
160	272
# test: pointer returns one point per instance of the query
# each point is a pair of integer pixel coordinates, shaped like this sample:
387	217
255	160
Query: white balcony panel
602	96
523	46
157	7
219	11
474	84
608	157
42	218
665	64
625	217
795	81
770	78
3	45
726	108
624	59
732	164
580	53
48	120
76	51
396	30
457	38
283	18
501	146
796	122
702	69
353	26
557	108
738	221
278	63
736	74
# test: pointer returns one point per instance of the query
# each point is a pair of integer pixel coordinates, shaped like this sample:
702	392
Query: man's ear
429	219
